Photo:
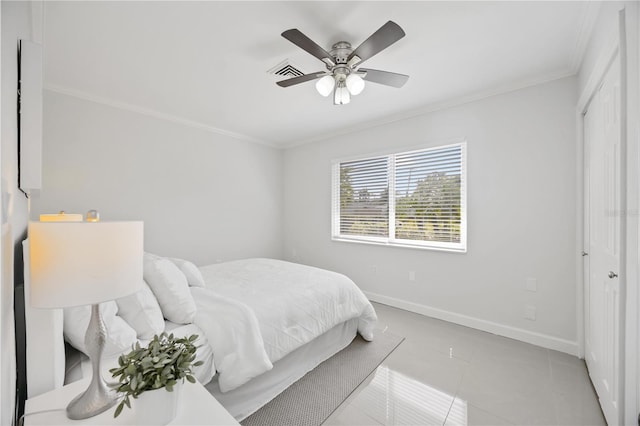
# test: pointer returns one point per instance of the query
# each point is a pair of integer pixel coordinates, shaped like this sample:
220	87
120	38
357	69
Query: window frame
391	240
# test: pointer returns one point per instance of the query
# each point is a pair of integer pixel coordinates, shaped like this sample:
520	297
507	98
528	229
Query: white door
602	234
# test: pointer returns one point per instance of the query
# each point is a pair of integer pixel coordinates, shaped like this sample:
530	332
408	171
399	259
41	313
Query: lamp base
97	398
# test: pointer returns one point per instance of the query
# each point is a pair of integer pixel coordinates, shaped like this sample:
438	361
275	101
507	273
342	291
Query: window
425	208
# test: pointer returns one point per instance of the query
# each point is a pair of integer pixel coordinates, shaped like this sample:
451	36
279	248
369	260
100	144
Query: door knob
612	274
584	253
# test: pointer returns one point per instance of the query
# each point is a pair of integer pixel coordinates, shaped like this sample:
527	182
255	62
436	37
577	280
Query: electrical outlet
530	312
374	269
412	275
531	284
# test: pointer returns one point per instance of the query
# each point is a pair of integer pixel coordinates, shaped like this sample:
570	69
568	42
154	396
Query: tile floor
445	374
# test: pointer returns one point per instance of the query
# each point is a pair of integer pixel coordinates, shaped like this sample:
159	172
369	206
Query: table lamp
84	263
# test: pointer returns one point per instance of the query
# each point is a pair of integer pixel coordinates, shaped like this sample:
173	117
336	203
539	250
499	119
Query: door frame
592	85
626	43
631	46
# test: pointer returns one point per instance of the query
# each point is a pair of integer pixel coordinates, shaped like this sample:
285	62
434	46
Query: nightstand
197	407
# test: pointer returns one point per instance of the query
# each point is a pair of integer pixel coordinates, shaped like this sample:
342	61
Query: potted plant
164	363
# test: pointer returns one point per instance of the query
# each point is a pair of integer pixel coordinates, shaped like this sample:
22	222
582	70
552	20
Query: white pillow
171	289
191	271
120	335
142	312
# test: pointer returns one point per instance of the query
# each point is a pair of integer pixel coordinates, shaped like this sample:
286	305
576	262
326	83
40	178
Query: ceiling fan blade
386	35
305	43
303	78
384	77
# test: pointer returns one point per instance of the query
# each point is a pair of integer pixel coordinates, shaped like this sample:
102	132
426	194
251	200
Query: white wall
521	216
202	196
16	24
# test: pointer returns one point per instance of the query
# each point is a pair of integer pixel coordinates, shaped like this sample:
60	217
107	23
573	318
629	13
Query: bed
263	324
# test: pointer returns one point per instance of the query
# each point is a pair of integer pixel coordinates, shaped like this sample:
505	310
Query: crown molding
430	108
433	107
155	114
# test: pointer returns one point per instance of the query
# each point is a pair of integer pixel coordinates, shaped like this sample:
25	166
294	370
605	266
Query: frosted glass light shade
80	263
355	84
341	96
325	85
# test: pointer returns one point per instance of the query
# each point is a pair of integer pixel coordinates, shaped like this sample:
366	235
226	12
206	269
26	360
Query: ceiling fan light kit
355	84
343	77
325	85
341	96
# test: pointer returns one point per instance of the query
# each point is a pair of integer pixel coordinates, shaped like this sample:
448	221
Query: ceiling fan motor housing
341	51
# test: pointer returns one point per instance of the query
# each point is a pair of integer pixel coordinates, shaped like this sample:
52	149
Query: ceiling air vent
286	69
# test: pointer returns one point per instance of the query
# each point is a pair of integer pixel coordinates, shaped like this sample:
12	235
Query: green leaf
191	379
118	410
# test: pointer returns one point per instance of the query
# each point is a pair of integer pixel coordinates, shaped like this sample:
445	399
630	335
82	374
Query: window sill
399	245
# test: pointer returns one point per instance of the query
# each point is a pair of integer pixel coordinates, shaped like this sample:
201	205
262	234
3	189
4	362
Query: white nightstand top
197	407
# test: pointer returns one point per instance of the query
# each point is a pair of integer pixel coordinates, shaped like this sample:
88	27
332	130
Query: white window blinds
425	208
364	197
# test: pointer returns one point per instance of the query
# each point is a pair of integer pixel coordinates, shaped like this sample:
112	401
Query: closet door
602	286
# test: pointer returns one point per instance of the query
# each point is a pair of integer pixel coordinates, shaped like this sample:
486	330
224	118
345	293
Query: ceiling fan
343	77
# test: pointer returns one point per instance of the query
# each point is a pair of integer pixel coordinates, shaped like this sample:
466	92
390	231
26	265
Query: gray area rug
312	399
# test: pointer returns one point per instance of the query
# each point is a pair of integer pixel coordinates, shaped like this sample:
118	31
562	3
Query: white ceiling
205	63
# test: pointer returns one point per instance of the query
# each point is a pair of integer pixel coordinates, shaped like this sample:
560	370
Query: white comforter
256	311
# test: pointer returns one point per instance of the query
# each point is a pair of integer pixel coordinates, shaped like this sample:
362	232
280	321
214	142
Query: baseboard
538	339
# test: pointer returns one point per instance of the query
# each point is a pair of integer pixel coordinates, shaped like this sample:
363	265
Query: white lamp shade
325	85
355	84
81	263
